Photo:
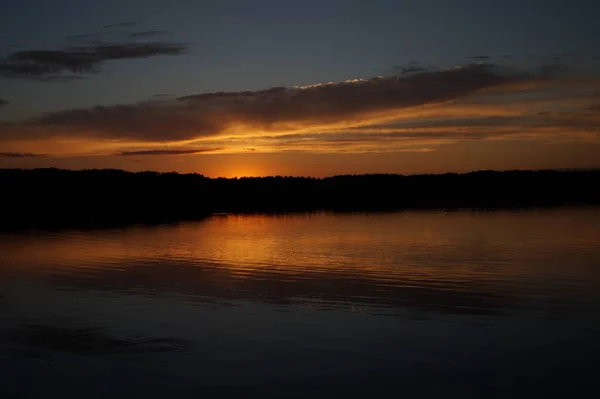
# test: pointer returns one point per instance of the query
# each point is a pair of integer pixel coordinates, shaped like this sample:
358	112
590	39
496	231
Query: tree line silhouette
56	198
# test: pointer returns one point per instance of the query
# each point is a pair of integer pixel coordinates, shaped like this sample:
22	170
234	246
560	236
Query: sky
306	88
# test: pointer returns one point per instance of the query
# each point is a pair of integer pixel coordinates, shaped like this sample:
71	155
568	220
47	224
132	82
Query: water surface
427	303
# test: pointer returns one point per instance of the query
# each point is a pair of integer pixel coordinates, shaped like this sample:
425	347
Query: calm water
322	305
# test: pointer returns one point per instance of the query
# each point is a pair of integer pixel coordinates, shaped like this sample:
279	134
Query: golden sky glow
429	112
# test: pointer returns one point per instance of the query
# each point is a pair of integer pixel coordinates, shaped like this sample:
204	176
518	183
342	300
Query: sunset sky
317	88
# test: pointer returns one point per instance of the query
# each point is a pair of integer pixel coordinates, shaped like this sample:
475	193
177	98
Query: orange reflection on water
464	258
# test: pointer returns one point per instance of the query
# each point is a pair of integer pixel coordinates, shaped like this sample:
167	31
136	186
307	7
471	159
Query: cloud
87	54
20	155
118	25
3	102
276	109
383	138
405	112
413	67
167	152
480	57
148	34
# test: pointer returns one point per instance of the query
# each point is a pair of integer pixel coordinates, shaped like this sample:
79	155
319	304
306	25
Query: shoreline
57	198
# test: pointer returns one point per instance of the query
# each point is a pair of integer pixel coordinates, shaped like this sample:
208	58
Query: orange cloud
413	112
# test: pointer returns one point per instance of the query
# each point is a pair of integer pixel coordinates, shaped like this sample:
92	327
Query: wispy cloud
148	34
418	111
118	25
412	68
167	152
20	155
86	54
276	109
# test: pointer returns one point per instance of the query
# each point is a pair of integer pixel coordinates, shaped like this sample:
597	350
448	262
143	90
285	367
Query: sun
244	172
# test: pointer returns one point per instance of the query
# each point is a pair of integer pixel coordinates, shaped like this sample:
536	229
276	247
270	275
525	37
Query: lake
421	303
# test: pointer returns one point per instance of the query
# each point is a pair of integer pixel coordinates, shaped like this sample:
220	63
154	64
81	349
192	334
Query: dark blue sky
249	45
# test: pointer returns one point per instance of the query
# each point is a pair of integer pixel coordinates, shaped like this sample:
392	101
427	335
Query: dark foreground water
427	304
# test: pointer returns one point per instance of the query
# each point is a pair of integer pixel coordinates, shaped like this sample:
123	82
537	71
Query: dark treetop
55	198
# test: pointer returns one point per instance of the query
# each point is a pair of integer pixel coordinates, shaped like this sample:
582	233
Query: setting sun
244	172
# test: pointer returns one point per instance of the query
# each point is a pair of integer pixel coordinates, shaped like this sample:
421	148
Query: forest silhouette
57	198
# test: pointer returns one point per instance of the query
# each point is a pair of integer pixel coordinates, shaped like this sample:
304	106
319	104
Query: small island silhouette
57	198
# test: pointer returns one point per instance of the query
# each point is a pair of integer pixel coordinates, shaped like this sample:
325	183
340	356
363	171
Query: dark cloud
3	102
413	67
20	155
564	56
148	34
118	51
44	62
85	55
595	108
480	57
275	109
118	25
236	94
167	152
